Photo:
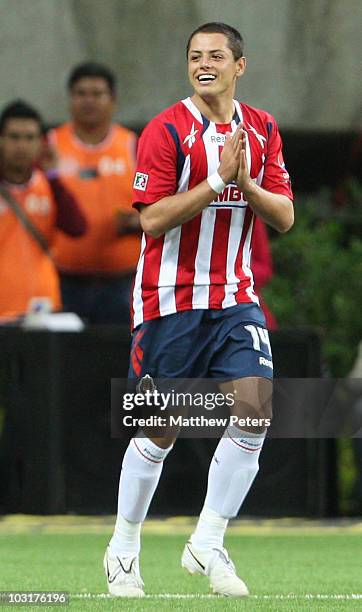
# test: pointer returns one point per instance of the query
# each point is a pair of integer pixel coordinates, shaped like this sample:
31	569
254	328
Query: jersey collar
238	113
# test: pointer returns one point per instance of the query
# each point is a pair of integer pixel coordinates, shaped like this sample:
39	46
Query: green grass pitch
286	568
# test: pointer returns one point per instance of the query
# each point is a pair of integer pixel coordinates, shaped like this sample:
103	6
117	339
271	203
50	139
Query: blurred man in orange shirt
97	161
26	268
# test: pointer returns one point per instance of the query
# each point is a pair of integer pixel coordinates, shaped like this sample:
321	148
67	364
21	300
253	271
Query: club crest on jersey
140	181
191	137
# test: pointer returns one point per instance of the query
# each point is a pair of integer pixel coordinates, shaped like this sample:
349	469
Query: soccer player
205	167
97	164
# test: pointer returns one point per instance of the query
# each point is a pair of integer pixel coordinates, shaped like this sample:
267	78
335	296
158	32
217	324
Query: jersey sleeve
156	168
69	217
276	177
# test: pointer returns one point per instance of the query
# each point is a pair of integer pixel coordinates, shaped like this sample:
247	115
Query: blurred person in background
262	267
97	161
32	207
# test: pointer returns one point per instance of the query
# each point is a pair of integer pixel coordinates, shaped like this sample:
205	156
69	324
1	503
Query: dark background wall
56	450
303	55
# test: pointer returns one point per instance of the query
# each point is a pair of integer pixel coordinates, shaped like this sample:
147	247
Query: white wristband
216	183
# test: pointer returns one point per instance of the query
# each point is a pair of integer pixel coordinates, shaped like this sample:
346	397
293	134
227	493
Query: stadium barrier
57	456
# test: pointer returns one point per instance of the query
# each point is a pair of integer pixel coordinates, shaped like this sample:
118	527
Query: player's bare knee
253	411
265	411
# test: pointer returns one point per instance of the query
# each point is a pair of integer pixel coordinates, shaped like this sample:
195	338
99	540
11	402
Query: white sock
232	470
210	529
141	471
126	540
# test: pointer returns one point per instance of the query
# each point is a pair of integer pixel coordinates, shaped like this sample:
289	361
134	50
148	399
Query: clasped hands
233	163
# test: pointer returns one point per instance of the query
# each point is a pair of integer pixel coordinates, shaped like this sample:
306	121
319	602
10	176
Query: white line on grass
306	596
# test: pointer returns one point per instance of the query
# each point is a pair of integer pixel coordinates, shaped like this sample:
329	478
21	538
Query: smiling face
212	68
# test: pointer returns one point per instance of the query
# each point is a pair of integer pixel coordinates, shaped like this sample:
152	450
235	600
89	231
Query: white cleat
218	567
123	576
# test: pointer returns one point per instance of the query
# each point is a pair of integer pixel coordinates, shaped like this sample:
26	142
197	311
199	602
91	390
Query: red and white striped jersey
205	262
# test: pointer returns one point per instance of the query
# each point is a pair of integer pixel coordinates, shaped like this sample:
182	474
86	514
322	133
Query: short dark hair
92	69
20	110
234	38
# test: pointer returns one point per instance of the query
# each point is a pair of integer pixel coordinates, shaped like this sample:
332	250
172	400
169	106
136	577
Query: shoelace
131	577
132	580
134	577
229	565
